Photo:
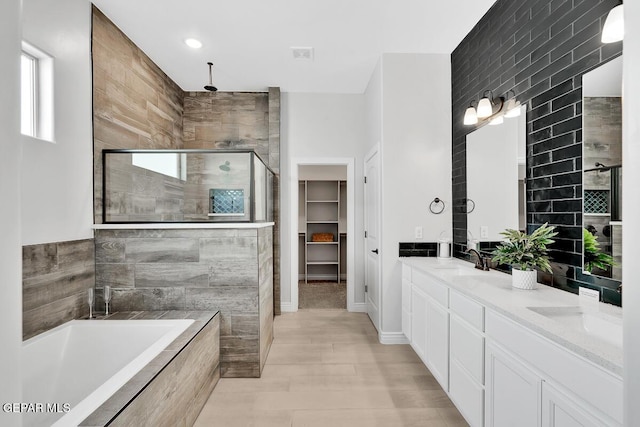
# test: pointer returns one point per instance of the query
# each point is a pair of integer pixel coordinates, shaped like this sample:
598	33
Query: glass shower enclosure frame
185	186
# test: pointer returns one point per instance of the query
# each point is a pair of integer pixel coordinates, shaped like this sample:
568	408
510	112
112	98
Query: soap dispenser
444	246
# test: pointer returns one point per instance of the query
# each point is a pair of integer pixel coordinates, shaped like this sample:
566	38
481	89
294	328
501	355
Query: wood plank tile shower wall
136	105
216	269
539	49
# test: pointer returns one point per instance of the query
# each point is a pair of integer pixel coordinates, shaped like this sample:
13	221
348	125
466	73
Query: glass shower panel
260	190
185	186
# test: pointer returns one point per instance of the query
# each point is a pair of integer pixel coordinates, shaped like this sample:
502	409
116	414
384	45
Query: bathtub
80	364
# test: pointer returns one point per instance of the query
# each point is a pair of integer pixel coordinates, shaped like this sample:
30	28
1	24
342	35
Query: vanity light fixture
489	108
193	43
470	115
613	30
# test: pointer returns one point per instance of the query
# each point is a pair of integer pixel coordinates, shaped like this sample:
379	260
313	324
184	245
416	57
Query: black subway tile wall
421	249
539	49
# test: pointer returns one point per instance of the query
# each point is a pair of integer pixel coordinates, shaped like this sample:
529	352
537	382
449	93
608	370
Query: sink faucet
482	263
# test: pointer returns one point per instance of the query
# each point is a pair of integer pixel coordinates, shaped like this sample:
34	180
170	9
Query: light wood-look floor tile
326	368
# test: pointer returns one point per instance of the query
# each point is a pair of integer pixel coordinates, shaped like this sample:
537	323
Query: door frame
349	162
377	148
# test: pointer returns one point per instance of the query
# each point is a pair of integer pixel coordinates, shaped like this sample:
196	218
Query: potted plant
593	255
525	252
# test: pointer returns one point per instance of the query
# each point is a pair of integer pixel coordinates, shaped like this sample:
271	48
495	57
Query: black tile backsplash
421	249
539	49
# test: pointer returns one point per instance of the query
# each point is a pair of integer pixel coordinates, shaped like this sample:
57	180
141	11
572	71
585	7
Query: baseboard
392	338
286	307
358	307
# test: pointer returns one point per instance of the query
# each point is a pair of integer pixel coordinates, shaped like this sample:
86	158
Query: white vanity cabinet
497	369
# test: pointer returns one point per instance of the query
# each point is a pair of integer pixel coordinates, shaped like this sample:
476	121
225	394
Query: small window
36	93
29	82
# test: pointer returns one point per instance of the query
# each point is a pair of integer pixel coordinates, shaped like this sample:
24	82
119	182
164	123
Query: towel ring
434	205
473	205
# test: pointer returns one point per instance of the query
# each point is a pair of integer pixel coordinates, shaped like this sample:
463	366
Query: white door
372	236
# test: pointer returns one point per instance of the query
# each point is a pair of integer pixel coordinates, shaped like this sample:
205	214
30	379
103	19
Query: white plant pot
524	279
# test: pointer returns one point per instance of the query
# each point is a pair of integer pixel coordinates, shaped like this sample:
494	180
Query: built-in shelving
322	209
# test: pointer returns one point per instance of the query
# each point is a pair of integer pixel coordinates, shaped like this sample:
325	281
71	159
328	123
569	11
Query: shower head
210	87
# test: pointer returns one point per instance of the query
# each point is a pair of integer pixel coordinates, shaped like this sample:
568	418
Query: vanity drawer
469	310
467	348
431	287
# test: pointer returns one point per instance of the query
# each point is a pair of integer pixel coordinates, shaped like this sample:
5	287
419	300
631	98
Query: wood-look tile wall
55	279
135	104
201	269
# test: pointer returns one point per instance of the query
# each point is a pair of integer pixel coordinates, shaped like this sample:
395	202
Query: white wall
373	108
10	250
321	126
416	161
630	209
57	178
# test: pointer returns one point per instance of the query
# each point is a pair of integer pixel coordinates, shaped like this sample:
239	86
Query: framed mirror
496	157
602	170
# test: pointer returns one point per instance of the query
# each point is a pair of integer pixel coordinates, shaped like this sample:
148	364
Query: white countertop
182	225
493	290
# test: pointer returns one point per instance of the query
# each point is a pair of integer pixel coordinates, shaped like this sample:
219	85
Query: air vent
302	53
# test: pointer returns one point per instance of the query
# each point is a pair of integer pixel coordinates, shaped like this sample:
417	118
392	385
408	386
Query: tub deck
172	389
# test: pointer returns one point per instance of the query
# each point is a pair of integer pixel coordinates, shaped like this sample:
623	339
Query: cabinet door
512	391
437	347
466	370
418	321
560	410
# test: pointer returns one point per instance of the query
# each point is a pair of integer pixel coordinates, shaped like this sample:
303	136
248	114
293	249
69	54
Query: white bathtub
83	362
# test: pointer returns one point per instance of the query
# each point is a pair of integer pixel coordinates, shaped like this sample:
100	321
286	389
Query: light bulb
613	30
193	43
484	108
513	109
470	116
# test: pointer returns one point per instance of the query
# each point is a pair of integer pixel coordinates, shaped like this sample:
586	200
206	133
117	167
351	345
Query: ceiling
249	41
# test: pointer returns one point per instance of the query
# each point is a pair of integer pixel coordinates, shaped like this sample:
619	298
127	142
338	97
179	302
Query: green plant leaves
593	255
525	251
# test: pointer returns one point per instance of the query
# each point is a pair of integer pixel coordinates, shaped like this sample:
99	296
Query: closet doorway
323	253
322	236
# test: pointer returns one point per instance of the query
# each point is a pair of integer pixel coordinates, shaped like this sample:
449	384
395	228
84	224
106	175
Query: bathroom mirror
496	179
602	170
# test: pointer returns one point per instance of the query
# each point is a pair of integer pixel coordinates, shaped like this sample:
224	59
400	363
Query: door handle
375	251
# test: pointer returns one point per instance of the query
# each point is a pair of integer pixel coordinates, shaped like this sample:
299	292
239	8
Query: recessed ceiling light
193	43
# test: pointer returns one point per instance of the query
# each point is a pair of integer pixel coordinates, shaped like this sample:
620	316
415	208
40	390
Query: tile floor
327	369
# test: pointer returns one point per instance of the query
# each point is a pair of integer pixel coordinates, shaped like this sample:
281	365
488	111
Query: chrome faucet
482	263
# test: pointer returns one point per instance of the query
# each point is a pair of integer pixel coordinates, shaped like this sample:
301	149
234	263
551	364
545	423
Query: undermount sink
459	270
600	325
